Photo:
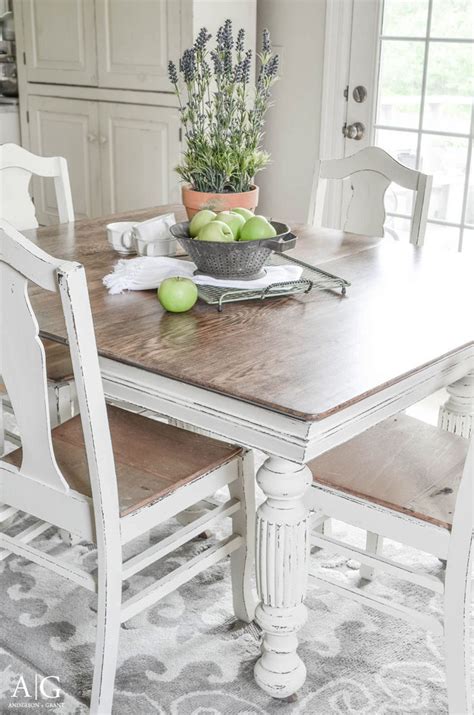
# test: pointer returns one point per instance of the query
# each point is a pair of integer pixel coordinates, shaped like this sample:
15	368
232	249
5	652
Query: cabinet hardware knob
103	140
92	137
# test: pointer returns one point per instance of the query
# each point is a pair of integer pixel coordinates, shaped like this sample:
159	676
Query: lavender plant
222	111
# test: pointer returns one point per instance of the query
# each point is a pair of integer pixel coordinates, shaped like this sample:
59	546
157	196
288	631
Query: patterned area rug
188	656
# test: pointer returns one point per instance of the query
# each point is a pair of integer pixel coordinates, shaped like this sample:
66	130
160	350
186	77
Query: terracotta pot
194	201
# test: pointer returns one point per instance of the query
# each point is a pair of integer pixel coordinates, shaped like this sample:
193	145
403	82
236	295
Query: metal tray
312	278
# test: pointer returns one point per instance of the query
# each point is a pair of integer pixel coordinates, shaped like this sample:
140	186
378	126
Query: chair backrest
23	368
371	172
17	165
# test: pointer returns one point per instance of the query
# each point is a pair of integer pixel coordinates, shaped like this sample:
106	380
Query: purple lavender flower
266	44
172	73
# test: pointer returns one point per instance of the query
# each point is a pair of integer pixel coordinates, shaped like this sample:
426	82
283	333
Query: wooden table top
306	356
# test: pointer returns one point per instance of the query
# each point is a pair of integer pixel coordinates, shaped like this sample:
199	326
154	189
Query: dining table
290	376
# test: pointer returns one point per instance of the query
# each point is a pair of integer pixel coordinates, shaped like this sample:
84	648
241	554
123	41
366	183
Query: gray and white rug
188	656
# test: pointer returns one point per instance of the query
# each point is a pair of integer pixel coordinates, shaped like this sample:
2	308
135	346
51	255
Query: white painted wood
408	529
171	543
148	596
2	432
27	535
363	68
39	488
371	172
6	512
24	374
137	59
457	413
372	517
384	564
266	430
61	567
68	127
137	523
60	41
243	523
381	604
457	600
17	166
139	148
282	553
374	545
333	105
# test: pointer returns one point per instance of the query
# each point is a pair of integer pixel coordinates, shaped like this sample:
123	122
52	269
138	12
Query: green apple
217	231
199	220
177	294
255	228
246	213
234	220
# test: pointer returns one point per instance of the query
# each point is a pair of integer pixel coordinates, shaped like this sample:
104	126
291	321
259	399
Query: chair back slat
371	172
17	165
23	360
23	368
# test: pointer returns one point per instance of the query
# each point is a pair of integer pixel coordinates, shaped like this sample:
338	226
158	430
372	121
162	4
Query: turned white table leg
457	413
282	570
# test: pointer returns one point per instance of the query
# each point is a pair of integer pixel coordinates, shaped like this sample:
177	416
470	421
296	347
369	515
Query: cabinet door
139	150
69	128
60	41
136	39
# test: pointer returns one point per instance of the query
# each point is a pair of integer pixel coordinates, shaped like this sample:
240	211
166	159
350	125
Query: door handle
354	131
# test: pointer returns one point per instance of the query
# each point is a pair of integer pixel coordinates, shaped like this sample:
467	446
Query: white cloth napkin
145	273
155	228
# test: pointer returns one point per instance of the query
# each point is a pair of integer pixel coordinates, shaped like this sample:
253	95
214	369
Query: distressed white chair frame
454	546
371	172
17	166
40	489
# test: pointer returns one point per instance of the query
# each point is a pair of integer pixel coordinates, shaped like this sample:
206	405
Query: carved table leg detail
457	413
282	569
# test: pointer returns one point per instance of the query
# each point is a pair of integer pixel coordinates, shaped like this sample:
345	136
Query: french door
410	91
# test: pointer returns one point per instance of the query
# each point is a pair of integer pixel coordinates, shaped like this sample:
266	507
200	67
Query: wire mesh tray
312	278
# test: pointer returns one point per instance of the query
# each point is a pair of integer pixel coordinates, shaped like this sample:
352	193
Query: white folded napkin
155	228
145	273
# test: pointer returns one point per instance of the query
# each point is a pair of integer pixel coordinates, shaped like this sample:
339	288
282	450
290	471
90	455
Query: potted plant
223	113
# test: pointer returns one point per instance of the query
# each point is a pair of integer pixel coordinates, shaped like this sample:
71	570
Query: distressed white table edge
283	519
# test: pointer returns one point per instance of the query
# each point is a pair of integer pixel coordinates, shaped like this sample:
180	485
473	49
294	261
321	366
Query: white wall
293	124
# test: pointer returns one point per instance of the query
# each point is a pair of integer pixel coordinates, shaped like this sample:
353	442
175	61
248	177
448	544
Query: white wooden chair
108	475
413	483
17	166
371	172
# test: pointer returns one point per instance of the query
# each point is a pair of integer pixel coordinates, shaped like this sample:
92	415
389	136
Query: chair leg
243	522
107	641
457	613
373	545
2	429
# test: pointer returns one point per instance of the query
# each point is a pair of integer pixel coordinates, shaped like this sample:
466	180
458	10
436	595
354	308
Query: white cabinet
69	128
137	59
91	42
139	150
120	156
60	41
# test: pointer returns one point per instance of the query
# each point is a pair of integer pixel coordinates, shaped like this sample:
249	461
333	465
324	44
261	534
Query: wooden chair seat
402	464
58	362
152	459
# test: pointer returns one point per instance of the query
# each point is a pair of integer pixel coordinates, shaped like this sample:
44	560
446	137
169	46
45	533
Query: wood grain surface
402	464
145	457
307	356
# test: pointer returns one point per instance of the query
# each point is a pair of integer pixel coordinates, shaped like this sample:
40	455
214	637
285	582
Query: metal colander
236	260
